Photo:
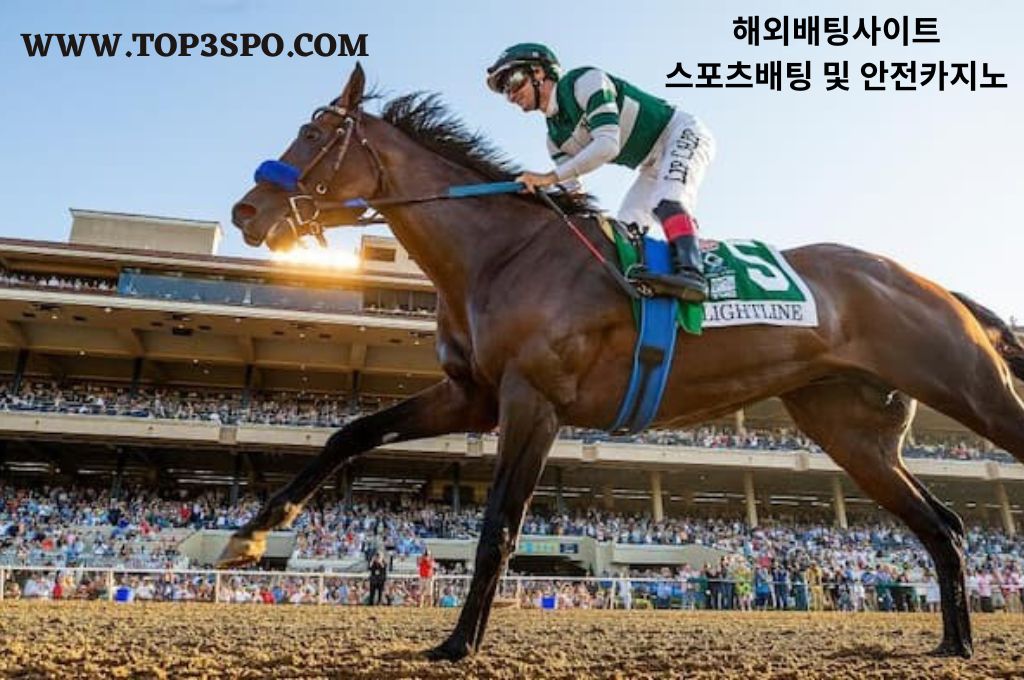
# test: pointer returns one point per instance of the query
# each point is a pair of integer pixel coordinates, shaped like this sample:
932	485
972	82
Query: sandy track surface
94	640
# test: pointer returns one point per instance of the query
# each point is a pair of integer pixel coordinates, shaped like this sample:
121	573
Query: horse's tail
1002	336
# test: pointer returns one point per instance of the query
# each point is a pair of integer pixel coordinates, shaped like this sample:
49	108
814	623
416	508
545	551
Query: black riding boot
686	281
688	268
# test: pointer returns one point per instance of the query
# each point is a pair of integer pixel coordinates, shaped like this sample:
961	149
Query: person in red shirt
426	566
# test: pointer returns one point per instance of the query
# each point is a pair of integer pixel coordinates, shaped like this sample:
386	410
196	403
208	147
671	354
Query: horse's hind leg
861	426
446	407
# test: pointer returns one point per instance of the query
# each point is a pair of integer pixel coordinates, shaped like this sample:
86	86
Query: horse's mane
424	117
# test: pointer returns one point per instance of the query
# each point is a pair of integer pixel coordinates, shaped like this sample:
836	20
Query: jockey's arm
603	147
595	93
570	185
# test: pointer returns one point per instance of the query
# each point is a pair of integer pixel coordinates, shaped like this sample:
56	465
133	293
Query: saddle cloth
749	282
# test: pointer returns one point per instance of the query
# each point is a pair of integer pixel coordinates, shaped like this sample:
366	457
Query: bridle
304	205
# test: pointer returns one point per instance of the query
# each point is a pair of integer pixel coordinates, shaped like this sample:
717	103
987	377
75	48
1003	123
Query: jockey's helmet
517	60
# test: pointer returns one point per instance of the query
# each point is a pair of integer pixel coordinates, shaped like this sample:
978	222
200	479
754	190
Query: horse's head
303	192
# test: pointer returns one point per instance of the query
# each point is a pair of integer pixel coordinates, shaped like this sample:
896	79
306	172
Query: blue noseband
279	174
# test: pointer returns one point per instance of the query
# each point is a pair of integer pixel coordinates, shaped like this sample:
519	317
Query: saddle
634	251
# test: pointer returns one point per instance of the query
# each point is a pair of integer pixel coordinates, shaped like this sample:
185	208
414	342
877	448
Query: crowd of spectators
731	584
787	439
318	410
781	564
84	526
68	283
182	291
399	310
81	520
225	408
709	437
736	584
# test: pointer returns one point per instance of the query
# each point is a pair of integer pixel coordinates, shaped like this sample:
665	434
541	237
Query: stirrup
638	275
650	285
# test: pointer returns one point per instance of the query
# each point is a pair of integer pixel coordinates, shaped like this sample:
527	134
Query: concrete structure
144	232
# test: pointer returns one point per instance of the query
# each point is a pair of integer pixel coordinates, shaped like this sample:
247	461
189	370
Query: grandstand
133	356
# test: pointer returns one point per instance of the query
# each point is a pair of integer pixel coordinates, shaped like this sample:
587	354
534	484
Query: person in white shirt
985	591
932	595
626	591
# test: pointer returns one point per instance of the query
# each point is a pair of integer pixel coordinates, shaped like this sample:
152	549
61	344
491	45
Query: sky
932	179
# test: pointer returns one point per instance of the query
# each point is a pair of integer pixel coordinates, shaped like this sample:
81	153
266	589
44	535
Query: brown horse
532	335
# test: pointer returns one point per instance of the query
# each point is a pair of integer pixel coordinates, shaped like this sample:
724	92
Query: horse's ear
352	95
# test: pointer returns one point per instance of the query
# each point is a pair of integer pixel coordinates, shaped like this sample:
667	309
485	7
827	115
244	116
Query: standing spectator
700	588
728	591
973	595
799	589
663	594
932	594
1011	590
744	586
426	568
780	584
998	598
762	588
858	594
870	581
883	586
714	578
448	600
625	590
817	590
378	575
985	592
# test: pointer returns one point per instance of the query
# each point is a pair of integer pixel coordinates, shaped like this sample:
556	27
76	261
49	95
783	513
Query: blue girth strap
652	358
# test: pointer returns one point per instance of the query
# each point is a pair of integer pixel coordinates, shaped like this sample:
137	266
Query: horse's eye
310	133
321	188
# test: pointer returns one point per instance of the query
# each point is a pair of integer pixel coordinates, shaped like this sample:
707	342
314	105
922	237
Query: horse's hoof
242	551
948	649
452	649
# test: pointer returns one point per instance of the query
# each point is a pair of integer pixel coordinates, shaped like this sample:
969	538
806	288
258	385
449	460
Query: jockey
595	118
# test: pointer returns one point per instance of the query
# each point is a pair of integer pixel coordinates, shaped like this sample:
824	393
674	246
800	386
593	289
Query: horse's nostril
242	213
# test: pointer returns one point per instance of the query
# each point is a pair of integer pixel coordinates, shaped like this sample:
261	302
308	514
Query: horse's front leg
528	427
442	409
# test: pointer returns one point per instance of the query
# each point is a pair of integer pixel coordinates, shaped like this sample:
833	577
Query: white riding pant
673	171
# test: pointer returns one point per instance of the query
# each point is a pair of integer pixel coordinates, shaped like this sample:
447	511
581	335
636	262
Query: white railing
543	592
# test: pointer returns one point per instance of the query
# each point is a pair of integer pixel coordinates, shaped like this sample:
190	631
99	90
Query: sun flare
318	257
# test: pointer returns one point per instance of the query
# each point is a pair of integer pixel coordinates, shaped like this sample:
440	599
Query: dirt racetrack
102	640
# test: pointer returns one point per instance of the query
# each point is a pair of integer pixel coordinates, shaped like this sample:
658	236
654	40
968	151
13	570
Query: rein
459	191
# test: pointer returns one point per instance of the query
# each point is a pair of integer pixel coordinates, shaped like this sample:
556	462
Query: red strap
678	225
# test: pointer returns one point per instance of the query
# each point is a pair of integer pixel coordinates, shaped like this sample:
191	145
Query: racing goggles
516	78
